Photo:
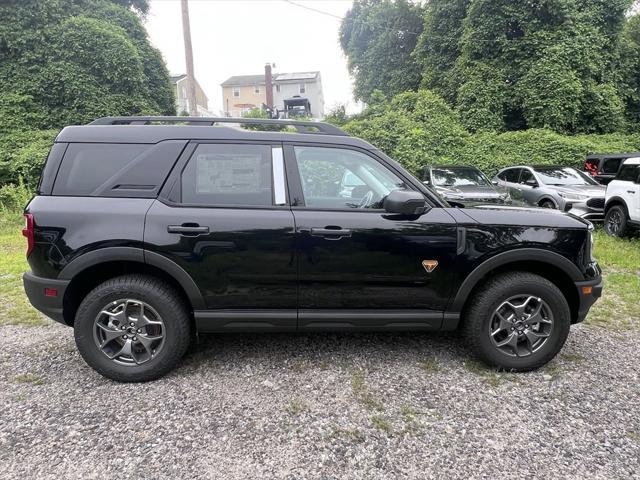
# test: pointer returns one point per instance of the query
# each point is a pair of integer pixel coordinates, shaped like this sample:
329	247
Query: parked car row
617	203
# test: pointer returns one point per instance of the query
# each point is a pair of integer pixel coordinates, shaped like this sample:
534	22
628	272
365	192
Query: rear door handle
330	233
188	229
631	191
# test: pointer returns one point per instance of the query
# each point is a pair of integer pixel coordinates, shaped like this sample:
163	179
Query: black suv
146	230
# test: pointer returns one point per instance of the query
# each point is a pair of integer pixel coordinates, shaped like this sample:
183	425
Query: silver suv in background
463	186
562	188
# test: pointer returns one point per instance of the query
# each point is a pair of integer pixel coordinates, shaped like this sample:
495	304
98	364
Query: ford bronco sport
146	230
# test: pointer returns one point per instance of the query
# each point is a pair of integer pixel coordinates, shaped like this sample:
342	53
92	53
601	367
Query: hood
470	191
523	216
591	190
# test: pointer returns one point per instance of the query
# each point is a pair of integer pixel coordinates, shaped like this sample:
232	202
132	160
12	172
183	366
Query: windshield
457	177
563	176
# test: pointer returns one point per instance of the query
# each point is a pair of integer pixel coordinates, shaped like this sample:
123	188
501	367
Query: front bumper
588	293
584	210
40	292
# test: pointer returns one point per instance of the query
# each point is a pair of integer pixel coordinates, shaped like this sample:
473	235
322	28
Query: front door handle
631	191
331	233
188	229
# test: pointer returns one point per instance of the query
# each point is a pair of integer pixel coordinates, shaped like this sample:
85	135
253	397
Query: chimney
268	84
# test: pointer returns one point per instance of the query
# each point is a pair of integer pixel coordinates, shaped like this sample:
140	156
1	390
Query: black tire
158	295
548	204
479	315
616	221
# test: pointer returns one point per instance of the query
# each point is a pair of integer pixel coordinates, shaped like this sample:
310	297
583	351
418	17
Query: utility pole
188	53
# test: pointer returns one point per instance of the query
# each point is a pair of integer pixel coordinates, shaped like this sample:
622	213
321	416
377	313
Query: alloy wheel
614	222
129	332
521	325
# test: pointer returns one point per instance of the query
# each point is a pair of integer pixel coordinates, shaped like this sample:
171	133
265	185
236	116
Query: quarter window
510	175
628	173
225	174
337	178
611	165
86	166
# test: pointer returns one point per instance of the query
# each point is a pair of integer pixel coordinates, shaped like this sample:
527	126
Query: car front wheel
132	328
615	221
518	321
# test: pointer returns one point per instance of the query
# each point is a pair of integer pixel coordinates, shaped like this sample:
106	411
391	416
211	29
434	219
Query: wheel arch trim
505	258
136	255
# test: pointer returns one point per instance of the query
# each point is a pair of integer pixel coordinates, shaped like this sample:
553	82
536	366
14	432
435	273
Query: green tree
438	47
508	65
629	83
378	37
80	59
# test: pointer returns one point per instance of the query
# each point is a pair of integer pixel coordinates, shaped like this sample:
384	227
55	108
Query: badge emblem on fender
429	265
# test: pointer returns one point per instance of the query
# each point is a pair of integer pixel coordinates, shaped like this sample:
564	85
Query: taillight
28	232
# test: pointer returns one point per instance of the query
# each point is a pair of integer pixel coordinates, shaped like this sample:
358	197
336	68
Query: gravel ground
321	406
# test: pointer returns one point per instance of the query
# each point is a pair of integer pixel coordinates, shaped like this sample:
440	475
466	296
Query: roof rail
300	126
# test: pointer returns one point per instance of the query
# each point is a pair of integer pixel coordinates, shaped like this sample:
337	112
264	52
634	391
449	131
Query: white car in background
622	201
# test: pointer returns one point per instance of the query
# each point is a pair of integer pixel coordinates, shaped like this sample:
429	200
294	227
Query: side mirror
405	202
531	183
426	182
494	182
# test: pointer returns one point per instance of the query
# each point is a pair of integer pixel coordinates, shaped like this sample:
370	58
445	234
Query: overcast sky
237	37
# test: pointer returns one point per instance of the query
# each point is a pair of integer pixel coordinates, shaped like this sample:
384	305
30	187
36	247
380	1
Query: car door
528	186
359	266
508	179
224	218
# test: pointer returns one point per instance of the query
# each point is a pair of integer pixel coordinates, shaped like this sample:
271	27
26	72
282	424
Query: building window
303	88
236	91
278	88
256	90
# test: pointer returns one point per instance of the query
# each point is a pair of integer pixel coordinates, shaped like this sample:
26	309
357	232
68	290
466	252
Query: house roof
243	80
177	78
247	80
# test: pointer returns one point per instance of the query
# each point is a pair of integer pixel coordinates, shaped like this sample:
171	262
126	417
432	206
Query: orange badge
429	265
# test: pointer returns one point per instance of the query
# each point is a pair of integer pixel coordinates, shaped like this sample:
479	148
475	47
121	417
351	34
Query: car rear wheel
133	328
518	321
616	221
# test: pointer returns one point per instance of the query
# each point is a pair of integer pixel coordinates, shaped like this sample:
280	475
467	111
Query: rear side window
611	165
510	175
86	166
227	174
628	173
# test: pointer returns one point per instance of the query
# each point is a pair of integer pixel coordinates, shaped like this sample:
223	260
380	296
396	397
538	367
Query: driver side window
338	178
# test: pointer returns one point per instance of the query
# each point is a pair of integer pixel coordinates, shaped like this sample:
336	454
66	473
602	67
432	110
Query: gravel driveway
321	406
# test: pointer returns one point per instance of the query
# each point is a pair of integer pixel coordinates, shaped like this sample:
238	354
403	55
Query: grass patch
489	375
15	308
430	365
294	408
352	434
575	358
553	370
31	378
616	254
619	307
381	423
362	392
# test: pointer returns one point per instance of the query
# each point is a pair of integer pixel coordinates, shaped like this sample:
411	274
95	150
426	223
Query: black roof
614	155
141	130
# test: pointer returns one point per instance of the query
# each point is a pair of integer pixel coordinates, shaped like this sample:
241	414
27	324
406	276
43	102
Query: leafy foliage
68	62
571	66
378	36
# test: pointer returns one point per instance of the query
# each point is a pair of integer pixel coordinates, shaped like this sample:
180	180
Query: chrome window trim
279	189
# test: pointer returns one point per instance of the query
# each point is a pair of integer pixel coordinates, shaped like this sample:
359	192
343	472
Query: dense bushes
571	66
419	129
67	62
